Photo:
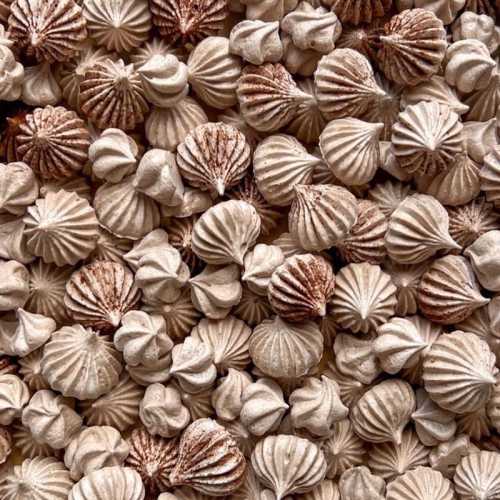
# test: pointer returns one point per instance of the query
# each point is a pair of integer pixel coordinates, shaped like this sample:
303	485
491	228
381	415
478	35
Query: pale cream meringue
30	369
11	75
477	475
359	483
268	10
154	241
259	265
227	397
14	287
480	138
14	395
296	61
13	239
40	87
483	254
472	25
18	188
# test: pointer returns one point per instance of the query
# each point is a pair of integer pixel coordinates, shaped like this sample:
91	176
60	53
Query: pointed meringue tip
388	39
489	378
115	318
220	187
398	437
322	310
238	259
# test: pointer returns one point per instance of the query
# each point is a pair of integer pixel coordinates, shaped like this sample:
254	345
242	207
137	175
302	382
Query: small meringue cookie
299	62
164	80
14	395
476	26
192	365
11	75
263	406
480	138
40	87
227	397
32	331
484	255
30	369
268	10
151	373
194	201
14	286
162	412
13	240
155	240
259	265
446	456
18	188
142	338
359	483
158	177
216	290
113	155
94	448
476	475
50	420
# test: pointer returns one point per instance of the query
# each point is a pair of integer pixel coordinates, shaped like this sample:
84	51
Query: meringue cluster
249	249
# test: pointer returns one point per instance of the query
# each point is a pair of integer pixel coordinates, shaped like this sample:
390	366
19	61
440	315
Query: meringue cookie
152	242
483	254
480	138
227	397
259	265
477	475
359	483
14	287
11	75
40	87
14	395
31	370
153	372
194	201
472	25
296	61
18	188
13	240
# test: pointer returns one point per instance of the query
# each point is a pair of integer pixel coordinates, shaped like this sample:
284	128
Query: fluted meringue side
14	396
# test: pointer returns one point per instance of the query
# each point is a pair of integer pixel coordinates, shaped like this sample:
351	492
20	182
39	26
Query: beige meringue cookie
198	404
252	308
192	365
326	490
490	176
227	396
40	86
472	25
263	406
268	10
359	483
477	476
225	232
299	465
11	75
256	41
79	185
484	256
31	371
18	188
110	247
50	420
296	61
215	290
388	195
445	10
483	102
113	155
14	287
259	265
13	241
154	241
109	483
154	372
94	448
38	478
475	424
162	412
194	201
469	66
14	395
418	229
446	456
80	363
480	138
142	338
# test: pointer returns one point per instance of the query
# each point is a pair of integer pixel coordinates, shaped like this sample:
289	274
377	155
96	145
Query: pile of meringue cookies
250	249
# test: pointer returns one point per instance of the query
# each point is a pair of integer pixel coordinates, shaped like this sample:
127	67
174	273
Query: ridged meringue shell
227	397
477	475
388	195
252	308
359	483
483	256
14	396
11	76
352	12
259	265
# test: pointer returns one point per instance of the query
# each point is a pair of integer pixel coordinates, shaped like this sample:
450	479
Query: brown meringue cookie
352	12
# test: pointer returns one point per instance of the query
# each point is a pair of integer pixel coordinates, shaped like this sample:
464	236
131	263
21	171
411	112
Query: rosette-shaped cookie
263	406
50	420
459	372
79	363
214	157
412	47
94	448
418	229
260	263
100	293
53	142
14	287
427	138
225	232
478	475
364	297
355	12
209	460
61	228
281	349
346	85
423	483
11	75
288	464
269	97
301	287
483	254
383	411
109	483
227	397
51	30
39	478
213	72
14	394
18	188
120	25
448	292
359	483
470	25
111	95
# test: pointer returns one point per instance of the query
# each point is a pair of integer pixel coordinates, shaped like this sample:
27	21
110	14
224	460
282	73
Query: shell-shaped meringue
113	155
40	87
14	395
448	291
470	25
477	476
345	84
260	263
14	287
61	228
214	157
364	297
227	397
381	414
413	46
79	363
94	448
50	420
18	188
484	258
359	483
39	478
11	75
281	349
423	483
288	464
228	338
263	406
209	460
100	293
281	162
192	365
459	372
225	232
418	229
118	25
109	483
301	287
213	72
162	412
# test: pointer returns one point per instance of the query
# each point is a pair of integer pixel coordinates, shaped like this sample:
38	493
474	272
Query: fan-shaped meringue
14	395
14	286
477	475
227	397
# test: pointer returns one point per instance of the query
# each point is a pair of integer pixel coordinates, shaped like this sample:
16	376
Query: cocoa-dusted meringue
98	294
252	308
412	47
288	464
363	39
483	257
94	448
259	265
14	395
227	397
203	471
263	406
14	287
18	188
381	414
281	162
477	476
359	483
11	75
470	25
418	229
